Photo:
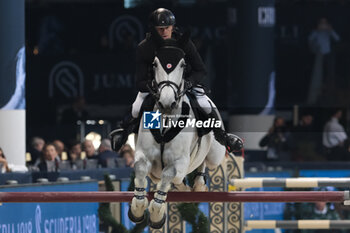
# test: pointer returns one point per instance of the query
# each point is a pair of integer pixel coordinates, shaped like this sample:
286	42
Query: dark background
79	33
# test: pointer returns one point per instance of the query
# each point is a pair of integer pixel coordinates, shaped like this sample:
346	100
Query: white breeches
203	100
136	106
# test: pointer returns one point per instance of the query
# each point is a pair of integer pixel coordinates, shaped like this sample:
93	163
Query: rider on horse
162	21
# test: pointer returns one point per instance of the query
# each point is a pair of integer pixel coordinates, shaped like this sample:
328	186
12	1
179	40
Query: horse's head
169	66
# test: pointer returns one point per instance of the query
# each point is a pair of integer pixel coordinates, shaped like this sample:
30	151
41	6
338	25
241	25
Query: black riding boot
120	136
230	141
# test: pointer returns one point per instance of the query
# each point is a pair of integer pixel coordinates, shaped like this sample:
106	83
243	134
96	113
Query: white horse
168	163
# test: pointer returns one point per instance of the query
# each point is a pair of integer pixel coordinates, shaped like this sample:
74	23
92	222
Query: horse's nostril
161	105
173	105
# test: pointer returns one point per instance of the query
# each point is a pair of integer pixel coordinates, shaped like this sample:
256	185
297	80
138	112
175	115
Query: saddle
198	113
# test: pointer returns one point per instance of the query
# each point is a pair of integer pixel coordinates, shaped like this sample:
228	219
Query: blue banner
324	173
50	217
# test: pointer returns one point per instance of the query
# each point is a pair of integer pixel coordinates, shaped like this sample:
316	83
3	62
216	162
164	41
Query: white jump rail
297	224
290	182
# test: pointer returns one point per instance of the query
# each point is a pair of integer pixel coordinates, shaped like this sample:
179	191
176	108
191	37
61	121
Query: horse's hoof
134	219
157	225
200	188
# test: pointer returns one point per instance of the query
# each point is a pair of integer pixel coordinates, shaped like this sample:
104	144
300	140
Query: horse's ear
157	38
183	40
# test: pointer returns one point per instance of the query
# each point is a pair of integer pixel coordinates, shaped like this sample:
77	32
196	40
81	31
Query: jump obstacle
297	224
290	182
239	196
227	203
268	182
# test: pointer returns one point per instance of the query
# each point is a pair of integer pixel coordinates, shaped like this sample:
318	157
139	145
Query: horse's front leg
140	202
157	206
172	173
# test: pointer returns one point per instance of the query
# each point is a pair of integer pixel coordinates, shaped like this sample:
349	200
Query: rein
171	84
155	89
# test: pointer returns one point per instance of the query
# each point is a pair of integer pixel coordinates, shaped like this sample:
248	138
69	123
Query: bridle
179	90
178	93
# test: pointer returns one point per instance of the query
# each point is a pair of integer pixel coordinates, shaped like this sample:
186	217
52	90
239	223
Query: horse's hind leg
181	187
157	206
140	202
199	181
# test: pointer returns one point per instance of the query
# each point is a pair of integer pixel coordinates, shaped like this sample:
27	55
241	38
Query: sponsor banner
102	64
50	217
109	81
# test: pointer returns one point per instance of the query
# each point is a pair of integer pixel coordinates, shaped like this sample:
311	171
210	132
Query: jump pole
290	182
297	224
239	196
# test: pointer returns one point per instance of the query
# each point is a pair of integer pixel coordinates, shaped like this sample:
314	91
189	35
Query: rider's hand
238	144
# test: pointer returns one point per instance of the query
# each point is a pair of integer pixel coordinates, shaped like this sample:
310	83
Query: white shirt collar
324	211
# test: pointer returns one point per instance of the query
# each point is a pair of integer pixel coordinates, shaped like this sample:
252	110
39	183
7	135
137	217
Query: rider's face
165	32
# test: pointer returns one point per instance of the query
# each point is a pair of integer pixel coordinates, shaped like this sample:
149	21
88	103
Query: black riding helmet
161	17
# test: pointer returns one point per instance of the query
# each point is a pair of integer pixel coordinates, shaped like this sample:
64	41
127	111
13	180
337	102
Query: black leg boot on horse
231	141
120	136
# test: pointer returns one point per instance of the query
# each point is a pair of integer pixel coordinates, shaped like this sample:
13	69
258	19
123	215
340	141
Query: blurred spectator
3	163
106	156
129	158
305	139
320	38
76	112
70	117
125	147
50	159
277	141
60	148
322	211
37	145
333	138
89	149
311	211
324	65
74	155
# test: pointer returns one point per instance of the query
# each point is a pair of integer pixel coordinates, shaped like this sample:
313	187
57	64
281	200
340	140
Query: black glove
115	137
